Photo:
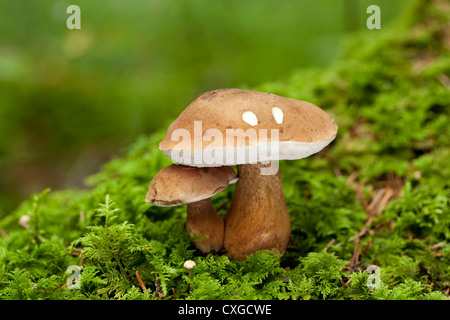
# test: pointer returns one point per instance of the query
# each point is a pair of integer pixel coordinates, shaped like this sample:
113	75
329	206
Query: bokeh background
72	99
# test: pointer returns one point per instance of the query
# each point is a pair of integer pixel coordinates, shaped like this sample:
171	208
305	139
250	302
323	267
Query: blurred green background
71	99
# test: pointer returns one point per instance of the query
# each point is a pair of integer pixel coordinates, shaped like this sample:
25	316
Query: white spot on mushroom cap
250	118
277	114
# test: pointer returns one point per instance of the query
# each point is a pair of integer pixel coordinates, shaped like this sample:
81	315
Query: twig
360	196
174	294
366	246
373	206
337	172
438	245
77	252
381	196
364	229
330	244
352	177
4	234
380	200
355	256
140	281
444	80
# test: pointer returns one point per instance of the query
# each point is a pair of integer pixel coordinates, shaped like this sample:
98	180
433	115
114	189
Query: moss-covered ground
378	196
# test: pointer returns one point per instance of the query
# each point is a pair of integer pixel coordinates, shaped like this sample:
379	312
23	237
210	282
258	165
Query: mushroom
177	185
189	264
232	127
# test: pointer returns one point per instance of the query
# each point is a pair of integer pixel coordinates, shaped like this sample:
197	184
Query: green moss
389	96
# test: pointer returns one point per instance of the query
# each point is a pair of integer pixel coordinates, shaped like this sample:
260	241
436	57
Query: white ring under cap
229	156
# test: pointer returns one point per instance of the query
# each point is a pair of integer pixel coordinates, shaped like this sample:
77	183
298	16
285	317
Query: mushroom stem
202	220
258	218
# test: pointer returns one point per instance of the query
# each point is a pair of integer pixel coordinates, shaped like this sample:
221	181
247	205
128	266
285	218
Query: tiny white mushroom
250	118
23	221
189	264
277	114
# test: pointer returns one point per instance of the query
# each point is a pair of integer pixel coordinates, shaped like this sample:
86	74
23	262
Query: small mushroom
189	264
177	185
258	217
24	221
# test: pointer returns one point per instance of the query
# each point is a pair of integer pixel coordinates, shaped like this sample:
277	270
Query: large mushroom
252	130
177	185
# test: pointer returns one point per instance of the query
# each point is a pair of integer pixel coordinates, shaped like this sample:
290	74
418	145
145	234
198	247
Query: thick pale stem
258	218
202	220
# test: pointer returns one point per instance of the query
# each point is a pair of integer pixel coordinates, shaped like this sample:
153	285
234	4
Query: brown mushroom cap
177	184
303	128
